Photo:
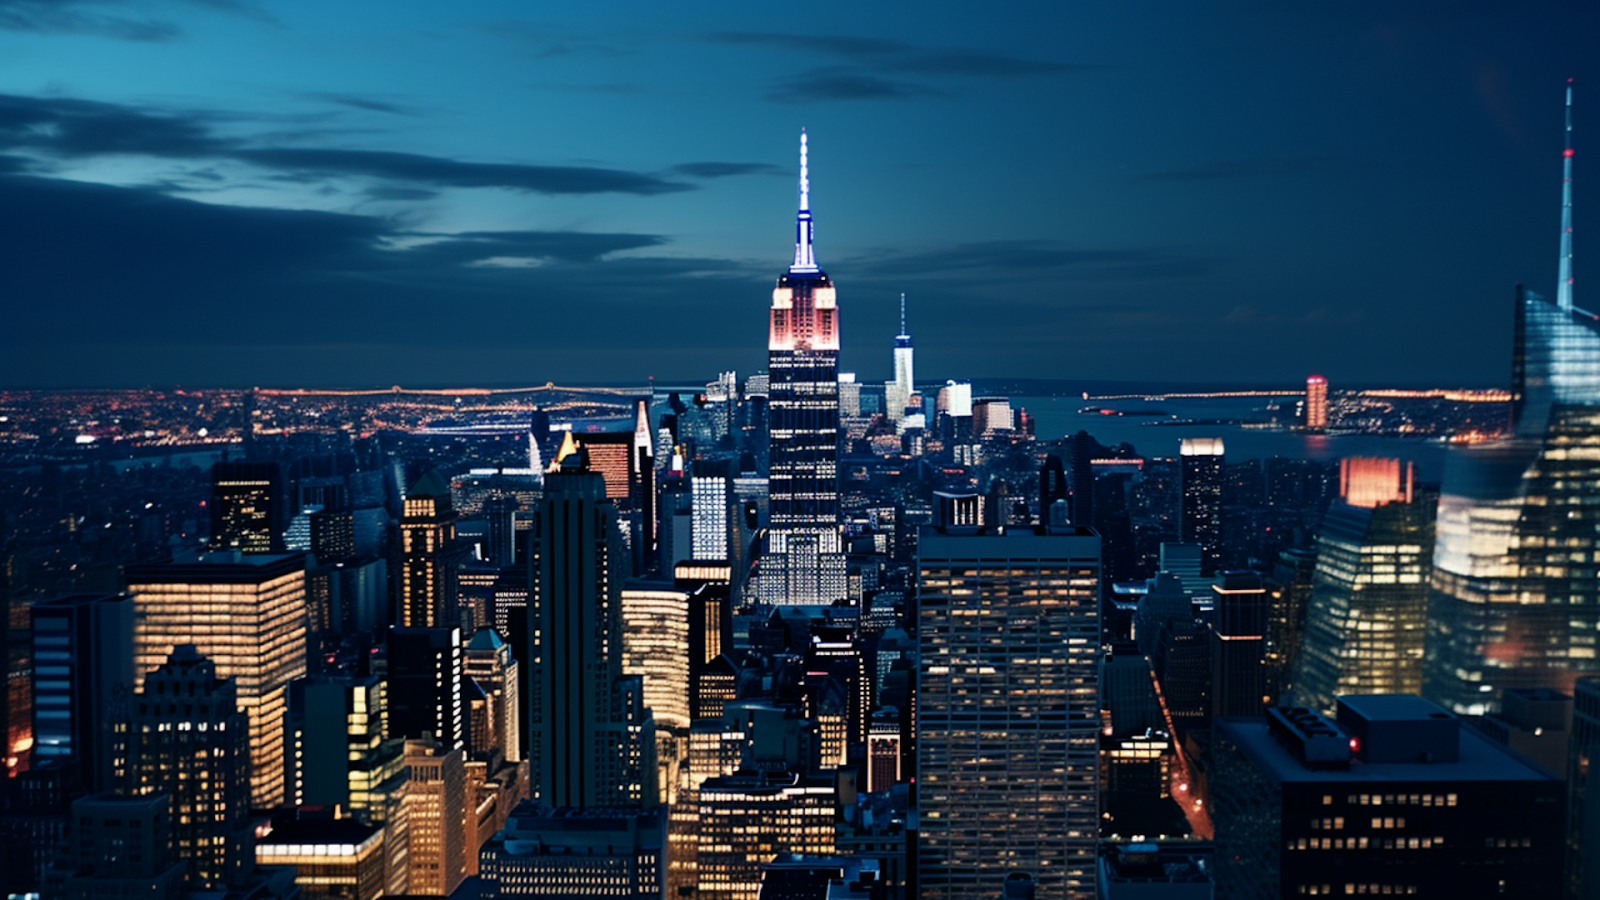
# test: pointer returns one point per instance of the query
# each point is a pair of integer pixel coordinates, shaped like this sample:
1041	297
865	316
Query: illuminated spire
1564	285
903	315
805	257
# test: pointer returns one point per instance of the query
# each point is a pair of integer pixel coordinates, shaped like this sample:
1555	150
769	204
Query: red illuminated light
1567	152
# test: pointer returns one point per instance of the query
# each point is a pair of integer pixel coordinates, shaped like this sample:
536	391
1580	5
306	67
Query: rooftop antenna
1564	284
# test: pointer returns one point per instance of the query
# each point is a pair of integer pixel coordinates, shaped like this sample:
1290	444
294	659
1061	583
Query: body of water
1057	417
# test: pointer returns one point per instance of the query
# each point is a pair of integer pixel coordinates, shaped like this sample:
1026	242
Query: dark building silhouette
591	742
1239	645
425	672
82	667
248	507
190	742
1396	798
1200	517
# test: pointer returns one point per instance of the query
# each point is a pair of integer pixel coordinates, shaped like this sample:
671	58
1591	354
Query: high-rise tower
1201	512
1007	730
1515	599
804	565
898	393
592	739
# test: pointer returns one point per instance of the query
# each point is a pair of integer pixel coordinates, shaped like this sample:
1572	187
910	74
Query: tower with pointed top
1564	282
1515	591
804	564
899	392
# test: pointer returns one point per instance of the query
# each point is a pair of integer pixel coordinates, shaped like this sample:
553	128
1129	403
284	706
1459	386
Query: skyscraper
591	742
1515	599
248	507
425	669
189	742
1008	730
247	614
1200	517
805	564
1367	620
1238	645
429	555
897	393
82	661
1316	403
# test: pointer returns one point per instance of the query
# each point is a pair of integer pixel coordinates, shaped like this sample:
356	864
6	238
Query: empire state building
804	564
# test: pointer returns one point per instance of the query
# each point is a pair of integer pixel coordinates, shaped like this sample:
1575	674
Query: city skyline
232	195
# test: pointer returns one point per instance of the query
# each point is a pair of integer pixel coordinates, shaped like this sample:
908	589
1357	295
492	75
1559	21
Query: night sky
226	193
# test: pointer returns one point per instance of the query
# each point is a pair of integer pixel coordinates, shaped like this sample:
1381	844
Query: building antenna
1564	285
805	257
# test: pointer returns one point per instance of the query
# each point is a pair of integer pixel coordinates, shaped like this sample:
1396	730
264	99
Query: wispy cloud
83	17
845	84
870	65
66	128
725	169
362	102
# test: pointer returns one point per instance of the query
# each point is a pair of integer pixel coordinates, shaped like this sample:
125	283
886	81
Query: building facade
247	614
1007	731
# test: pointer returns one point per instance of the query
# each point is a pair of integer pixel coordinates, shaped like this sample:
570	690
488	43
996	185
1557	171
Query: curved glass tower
1516	582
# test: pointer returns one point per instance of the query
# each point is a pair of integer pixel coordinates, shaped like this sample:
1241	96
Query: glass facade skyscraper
1516	582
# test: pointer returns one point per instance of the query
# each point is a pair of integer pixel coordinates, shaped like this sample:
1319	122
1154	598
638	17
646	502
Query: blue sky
233	193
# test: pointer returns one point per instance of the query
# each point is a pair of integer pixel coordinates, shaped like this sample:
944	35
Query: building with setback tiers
188	741
805	563
1008	730
591	739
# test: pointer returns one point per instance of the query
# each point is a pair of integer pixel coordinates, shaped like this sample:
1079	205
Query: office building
711	486
655	648
1239	645
426	693
576	853
748	818
342	755
1316	416
1395	798
247	615
898	394
189	743
1010	786
121	847
333	859
428	592
436	813
804	564
489	663
1515	600
82	662
591	741
1367	622
1200	511
1290	589
626	462
249	507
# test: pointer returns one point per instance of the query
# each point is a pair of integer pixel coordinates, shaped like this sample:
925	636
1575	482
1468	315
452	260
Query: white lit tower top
805	313
1564	285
